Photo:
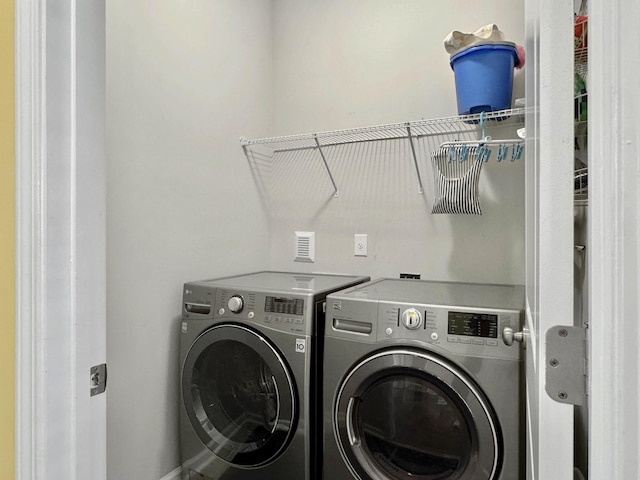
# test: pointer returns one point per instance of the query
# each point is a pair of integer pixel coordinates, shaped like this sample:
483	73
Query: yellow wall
7	244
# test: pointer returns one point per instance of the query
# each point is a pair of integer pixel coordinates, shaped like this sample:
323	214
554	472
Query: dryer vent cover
305	247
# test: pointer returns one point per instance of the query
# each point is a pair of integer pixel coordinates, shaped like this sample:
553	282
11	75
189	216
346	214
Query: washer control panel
279	312
284	312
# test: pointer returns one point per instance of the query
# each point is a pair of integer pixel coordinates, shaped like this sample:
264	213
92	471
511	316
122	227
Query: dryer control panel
472	324
468	331
459	330
455	317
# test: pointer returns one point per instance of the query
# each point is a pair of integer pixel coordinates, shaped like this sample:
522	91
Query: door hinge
566	364
98	379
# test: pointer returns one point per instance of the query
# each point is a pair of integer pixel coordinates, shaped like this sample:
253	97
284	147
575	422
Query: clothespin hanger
485	138
483	152
483	146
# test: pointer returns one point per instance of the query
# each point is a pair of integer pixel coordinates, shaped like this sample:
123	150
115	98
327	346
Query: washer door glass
405	414
239	395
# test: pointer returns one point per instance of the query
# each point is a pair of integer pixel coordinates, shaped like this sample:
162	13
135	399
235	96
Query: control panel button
221	311
492	343
465	340
452	339
389	331
251	315
236	304
477	341
434	336
411	319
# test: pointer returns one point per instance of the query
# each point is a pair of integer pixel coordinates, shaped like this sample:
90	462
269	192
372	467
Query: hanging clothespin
483	153
451	154
503	150
464	153
517	152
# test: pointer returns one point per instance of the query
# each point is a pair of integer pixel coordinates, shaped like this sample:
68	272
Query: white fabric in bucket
457	41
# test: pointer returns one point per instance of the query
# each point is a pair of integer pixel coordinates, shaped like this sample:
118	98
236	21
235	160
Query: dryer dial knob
236	304
411	318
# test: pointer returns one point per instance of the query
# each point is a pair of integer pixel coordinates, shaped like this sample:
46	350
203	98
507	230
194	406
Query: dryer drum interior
405	414
239	395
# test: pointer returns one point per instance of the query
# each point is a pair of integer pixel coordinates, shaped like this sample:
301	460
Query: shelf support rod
415	158
326	165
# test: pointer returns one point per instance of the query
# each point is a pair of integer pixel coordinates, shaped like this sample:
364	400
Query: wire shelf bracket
326	165
415	159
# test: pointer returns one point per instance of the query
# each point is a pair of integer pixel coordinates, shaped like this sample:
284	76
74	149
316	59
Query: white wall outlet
305	247
360	244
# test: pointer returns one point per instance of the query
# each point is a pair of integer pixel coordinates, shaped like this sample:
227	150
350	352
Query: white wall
184	81
353	63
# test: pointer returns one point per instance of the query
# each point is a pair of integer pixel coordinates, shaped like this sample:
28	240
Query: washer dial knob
411	318
236	304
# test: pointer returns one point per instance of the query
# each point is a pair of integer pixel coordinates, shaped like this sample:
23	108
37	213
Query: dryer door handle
353	440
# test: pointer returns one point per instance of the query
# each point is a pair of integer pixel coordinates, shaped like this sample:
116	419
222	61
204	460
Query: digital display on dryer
290	306
473	324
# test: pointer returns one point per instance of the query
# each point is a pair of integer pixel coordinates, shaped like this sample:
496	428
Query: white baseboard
173	475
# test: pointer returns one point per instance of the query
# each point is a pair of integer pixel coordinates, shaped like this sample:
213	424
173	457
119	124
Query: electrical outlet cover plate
360	244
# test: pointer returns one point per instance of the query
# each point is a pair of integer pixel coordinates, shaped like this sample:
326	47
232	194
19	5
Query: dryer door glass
239	395
410	415
415	424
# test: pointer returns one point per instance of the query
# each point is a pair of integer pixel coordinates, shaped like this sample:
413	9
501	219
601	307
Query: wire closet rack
581	73
438	131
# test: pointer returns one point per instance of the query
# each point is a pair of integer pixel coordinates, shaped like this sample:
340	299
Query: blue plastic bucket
484	77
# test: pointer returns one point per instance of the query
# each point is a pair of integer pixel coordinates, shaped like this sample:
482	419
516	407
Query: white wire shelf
580	46
415	129
456	128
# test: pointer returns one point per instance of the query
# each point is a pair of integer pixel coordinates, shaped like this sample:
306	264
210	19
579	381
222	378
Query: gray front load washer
249	370
418	383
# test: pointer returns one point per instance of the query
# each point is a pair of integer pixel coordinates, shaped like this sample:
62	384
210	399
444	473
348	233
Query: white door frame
60	238
549	227
614	239
614	236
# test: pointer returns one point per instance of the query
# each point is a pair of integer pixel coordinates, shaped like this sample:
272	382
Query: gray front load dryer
249	369
418	383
